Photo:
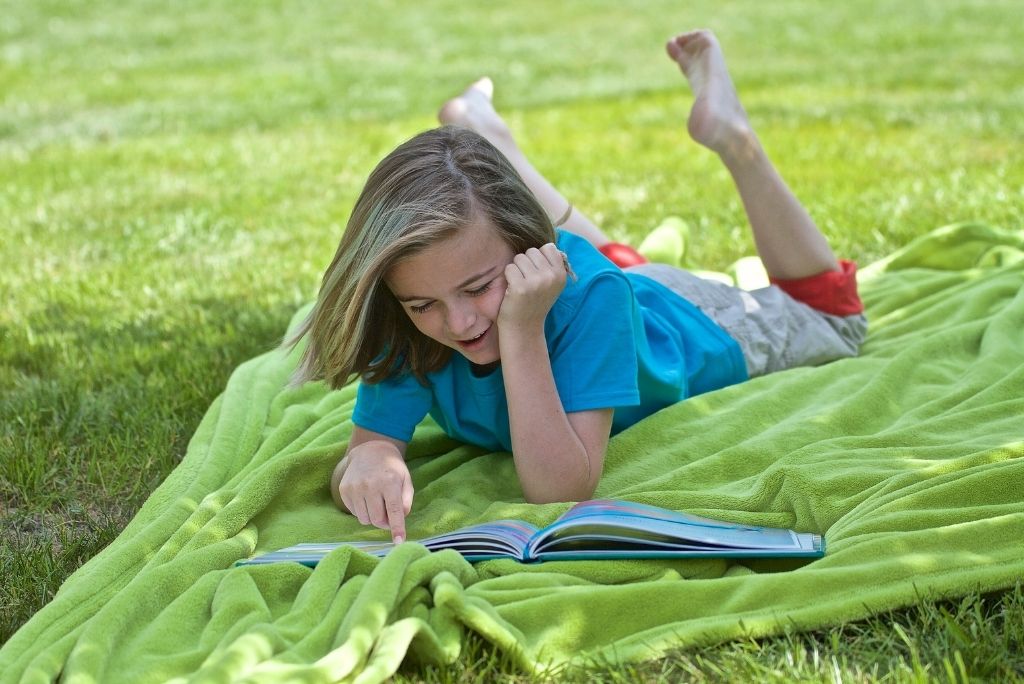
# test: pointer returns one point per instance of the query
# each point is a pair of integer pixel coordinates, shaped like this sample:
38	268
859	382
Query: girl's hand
374	484
534	281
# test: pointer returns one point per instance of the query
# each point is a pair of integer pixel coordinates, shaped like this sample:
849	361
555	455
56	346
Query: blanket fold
908	459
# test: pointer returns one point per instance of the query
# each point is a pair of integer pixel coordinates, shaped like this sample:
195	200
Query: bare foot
474	110
717	119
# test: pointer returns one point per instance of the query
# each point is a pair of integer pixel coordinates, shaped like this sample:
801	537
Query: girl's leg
474	110
788	242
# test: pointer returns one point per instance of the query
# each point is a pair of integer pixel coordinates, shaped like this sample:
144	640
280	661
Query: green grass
176	180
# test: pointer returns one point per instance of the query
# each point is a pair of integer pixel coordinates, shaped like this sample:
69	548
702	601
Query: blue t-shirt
616	340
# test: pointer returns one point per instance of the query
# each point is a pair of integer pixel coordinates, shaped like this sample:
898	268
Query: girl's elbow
560	494
542	497
563	484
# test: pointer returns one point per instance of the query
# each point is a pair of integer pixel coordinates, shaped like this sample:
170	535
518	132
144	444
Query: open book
592	530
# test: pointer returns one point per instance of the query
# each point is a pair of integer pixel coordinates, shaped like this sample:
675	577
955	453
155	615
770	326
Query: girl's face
452	291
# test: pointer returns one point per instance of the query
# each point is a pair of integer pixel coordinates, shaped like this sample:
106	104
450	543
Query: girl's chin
481	358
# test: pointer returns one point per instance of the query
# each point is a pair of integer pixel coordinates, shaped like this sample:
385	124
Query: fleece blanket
908	459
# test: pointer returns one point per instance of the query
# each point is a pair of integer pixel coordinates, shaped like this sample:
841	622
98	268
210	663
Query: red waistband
622	255
832	292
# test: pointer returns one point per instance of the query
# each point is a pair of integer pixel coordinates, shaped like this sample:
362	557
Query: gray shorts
774	330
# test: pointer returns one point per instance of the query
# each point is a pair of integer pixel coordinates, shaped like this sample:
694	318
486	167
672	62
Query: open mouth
473	341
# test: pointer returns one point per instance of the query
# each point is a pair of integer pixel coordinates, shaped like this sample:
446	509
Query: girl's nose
461	318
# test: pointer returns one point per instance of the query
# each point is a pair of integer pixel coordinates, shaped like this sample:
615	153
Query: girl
452	293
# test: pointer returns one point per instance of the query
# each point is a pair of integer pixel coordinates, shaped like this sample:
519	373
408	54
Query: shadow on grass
95	415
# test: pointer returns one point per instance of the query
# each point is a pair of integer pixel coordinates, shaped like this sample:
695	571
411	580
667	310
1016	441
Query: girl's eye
423	308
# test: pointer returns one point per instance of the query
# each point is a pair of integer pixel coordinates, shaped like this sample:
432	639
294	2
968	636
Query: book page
486	540
624	526
638	510
496	539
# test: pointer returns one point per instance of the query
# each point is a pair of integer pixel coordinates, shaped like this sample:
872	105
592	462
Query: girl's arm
373	483
558	456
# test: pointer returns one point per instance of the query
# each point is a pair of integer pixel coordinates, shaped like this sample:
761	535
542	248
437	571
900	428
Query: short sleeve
594	356
393	407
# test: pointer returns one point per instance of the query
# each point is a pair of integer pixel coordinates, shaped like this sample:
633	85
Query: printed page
497	539
638	510
624	525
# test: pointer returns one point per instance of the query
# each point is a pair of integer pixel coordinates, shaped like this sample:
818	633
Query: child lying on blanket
453	293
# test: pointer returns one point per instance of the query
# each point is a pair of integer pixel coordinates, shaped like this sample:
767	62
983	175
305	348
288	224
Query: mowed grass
175	181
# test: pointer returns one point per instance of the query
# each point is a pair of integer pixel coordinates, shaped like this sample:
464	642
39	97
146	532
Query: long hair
425	191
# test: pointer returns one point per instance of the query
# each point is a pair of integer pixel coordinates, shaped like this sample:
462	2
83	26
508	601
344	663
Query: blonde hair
423	192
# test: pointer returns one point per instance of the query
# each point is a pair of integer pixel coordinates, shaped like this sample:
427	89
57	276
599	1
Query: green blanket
908	459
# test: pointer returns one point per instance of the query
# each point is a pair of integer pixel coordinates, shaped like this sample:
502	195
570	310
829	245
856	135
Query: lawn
175	181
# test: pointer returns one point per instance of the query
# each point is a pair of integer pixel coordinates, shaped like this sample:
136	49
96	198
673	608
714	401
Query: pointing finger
396	517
